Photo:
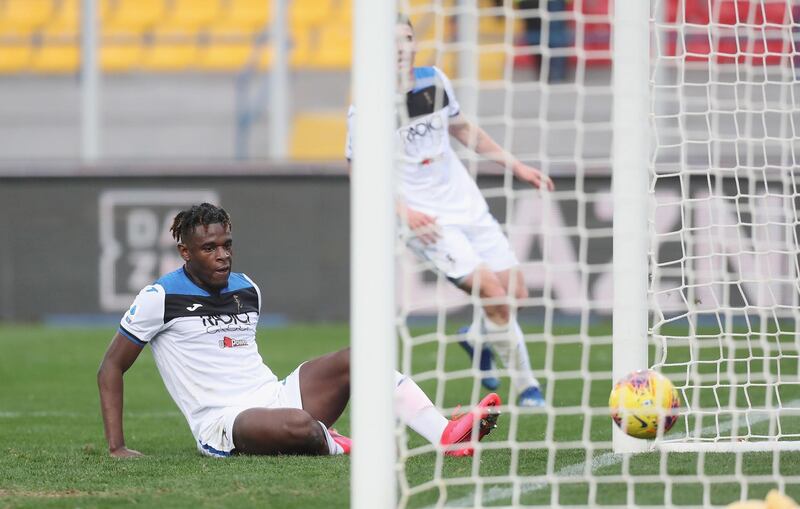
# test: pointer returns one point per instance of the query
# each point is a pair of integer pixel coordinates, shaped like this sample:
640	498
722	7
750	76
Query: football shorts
216	435
463	248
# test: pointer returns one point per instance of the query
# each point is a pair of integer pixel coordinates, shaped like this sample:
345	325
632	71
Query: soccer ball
642	401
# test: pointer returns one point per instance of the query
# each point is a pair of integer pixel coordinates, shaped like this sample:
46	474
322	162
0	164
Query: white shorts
463	248
216	437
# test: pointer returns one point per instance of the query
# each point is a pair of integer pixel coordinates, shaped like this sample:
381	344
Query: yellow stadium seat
318	136
170	56
342	12
55	58
134	16
301	48
490	25
14	58
66	17
335	48
245	16
191	14
224	55
304	13
24	16
491	65
120	57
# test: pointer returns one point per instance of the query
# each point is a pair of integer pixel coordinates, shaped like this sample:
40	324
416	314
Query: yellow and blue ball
642	402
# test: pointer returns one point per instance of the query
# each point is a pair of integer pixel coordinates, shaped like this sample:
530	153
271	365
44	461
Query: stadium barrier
79	242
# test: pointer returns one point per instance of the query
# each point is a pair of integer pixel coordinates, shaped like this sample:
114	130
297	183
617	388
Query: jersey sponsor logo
227	322
426	127
227	342
193	307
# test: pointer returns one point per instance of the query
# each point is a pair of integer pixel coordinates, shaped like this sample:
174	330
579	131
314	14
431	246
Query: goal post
630	169
372	226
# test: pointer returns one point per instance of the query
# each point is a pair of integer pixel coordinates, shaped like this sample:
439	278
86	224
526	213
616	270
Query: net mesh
723	254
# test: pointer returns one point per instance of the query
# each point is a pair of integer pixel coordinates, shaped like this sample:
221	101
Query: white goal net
723	278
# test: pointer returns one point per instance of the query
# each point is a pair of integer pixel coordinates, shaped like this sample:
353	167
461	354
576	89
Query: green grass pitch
53	450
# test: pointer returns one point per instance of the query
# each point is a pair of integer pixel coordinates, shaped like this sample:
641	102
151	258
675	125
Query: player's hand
124	452
534	176
423	226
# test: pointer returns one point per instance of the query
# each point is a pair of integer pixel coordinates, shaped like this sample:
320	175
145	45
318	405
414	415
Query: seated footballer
200	322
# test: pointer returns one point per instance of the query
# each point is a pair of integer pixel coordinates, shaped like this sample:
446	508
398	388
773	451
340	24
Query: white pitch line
598	462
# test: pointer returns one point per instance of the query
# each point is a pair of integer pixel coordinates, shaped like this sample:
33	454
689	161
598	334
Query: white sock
333	447
416	410
509	343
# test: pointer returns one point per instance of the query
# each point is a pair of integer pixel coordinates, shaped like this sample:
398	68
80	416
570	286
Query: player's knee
498	314
493	289
304	432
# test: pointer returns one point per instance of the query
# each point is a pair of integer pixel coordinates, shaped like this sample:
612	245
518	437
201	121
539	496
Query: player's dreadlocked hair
204	214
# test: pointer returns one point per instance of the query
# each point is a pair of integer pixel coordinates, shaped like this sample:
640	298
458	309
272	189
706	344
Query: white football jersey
434	180
204	345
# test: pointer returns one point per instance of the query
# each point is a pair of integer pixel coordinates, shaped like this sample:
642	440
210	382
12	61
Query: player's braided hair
204	214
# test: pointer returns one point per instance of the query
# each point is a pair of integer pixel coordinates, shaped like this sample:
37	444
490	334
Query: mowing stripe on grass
607	459
64	414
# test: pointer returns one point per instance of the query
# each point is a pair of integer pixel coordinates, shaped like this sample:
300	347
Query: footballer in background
449	218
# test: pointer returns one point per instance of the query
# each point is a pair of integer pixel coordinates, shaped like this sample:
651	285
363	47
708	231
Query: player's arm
472	136
120	356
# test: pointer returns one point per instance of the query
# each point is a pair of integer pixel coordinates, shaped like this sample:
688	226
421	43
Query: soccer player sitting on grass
200	321
448	216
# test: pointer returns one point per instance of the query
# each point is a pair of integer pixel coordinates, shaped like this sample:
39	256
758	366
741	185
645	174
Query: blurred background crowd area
186	79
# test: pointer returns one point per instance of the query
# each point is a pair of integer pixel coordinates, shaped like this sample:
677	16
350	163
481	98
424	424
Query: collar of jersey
424	77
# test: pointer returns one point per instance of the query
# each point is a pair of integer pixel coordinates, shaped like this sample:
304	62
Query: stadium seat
66	17
134	16
224	55
191	15
169	55
21	17
14	58
301	48
334	50
55	58
245	16
318	136
308	13
120	56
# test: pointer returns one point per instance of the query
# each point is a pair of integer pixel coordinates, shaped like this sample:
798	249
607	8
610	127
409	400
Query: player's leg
527	385
279	431
312	398
454	256
414	408
325	386
501	326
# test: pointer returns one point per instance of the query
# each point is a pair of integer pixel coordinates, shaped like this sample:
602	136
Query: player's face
208	253
406	48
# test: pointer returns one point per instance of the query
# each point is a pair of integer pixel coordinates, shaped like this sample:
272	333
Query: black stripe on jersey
426	100
231	303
